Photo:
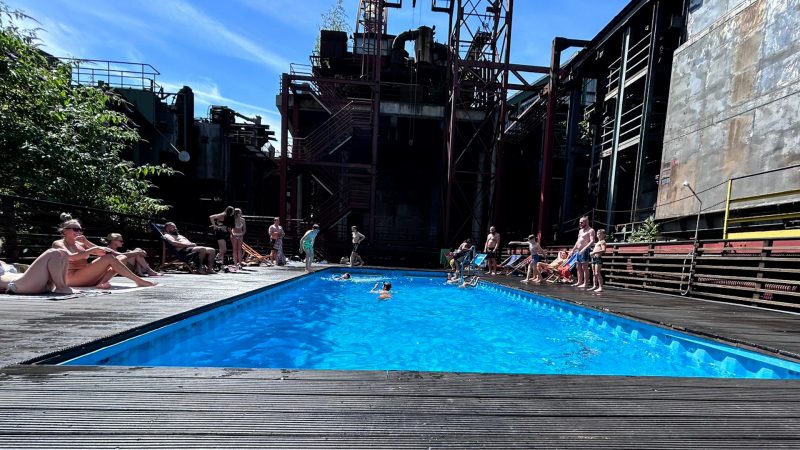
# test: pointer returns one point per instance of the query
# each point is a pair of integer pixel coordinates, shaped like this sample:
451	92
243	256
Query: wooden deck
104	407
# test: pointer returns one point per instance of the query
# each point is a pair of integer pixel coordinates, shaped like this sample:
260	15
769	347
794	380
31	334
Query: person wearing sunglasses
81	272
134	259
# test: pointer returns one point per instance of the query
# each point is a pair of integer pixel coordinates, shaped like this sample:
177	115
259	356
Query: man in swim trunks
586	238
355	258
491	249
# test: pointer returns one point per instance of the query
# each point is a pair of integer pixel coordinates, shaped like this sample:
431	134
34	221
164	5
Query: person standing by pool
597	261
222	223
585	240
491	248
535	251
276	235
355	258
307	245
237	237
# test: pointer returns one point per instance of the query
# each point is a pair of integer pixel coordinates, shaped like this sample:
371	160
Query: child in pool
345	276
383	294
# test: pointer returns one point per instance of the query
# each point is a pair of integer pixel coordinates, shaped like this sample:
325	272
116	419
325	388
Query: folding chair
176	260
508	263
563	272
520	266
251	254
478	261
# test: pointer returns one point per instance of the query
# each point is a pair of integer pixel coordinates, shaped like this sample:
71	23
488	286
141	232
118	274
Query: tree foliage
61	142
334	19
646	232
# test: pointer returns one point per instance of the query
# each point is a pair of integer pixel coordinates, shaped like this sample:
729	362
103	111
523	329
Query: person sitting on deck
203	255
134	259
463	253
47	273
82	273
383	293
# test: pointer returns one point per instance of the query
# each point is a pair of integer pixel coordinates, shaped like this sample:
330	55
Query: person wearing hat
355	258
536	252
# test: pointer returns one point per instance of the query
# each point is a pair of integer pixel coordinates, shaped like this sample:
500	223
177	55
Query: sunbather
47	273
547	269
134	259
82	273
203	255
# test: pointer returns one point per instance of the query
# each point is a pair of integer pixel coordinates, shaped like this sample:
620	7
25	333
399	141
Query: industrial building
426	146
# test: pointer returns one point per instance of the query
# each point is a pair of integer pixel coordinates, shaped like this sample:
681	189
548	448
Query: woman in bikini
82	273
48	273
237	236
134	259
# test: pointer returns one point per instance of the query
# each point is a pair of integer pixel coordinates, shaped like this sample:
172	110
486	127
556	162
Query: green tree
646	232
62	142
334	19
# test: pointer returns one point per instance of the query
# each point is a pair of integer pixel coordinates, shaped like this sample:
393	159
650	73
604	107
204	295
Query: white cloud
215	34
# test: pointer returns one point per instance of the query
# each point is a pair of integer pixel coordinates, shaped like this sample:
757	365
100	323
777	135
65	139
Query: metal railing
117	74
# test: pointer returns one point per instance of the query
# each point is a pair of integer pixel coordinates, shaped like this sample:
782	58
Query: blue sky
233	52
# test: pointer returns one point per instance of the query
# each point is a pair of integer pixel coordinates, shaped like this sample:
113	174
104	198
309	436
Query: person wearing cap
355	258
203	255
533	274
307	245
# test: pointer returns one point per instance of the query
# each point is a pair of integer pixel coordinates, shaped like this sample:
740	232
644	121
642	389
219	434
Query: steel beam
611	198
284	143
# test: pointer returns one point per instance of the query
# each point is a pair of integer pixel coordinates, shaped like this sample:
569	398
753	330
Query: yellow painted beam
774	234
765	196
764	217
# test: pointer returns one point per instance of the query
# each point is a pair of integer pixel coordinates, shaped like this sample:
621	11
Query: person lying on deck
203	255
134	259
48	273
81	272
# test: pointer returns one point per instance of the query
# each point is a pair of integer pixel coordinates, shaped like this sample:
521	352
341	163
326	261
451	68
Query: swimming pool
317	322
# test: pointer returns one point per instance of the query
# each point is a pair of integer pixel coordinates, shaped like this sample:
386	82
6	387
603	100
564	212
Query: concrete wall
734	103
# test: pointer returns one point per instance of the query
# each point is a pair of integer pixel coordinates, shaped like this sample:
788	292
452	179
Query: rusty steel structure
479	69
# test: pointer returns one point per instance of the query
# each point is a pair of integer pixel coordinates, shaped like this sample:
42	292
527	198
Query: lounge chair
251	255
479	260
520	266
563	273
511	261
171	259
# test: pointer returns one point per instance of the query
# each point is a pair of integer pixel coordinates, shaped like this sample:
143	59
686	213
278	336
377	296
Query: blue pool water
319	323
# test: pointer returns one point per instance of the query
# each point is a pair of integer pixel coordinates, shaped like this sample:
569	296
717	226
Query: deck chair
478	261
520	266
509	262
253	256
563	273
171	259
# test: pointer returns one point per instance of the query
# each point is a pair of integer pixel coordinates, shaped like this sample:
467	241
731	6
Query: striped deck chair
520	266
253	256
564	272
478	261
509	262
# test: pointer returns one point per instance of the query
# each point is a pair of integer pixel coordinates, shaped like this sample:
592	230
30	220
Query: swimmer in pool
343	277
383	294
